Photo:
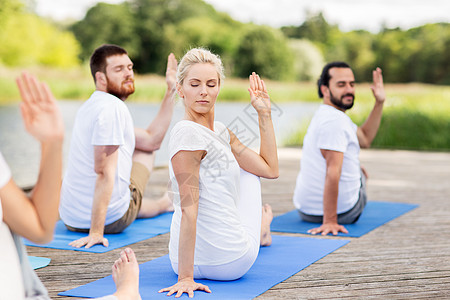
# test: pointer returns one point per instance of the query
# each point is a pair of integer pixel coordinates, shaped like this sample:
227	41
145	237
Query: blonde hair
199	56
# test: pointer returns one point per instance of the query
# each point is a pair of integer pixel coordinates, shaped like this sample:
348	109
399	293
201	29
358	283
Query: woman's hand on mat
188	286
90	240
326	228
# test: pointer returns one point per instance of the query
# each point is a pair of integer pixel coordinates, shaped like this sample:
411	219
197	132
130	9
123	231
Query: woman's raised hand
258	94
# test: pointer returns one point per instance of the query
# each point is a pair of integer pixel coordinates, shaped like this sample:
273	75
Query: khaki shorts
139	178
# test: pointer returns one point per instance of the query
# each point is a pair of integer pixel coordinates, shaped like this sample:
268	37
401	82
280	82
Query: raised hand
187	286
40	113
258	94
377	87
171	72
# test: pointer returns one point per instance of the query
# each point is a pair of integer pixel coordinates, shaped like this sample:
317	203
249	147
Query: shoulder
222	131
184	127
5	173
330	117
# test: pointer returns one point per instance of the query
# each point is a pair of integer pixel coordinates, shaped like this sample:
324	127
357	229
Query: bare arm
186	166
105	166
367	132
264	164
34	217
150	139
334	162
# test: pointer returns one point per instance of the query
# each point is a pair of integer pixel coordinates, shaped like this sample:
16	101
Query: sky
348	14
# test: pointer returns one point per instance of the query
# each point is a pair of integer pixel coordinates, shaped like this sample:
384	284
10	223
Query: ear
100	79
180	91
325	91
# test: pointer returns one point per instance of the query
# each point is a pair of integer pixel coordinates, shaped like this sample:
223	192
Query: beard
123	91
340	103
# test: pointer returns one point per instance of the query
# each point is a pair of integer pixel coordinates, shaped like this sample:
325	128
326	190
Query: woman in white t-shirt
35	217
219	222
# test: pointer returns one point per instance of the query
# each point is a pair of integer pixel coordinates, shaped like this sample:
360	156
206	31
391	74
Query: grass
77	84
415	117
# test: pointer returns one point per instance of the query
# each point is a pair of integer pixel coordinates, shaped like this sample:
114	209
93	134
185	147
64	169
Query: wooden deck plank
407	258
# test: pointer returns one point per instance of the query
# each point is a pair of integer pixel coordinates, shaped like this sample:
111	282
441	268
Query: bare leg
152	208
266	219
125	272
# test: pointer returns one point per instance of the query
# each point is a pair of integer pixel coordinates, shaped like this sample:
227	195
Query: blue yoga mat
139	230
374	215
287	256
38	262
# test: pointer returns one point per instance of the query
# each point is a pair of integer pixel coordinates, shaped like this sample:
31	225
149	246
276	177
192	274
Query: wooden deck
407	258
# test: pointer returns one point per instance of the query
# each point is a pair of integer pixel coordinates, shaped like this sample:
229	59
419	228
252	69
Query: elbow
365	145
272	174
150	147
44	237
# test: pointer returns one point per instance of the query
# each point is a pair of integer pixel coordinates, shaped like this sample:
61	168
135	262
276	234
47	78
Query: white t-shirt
102	120
220	236
11	284
330	129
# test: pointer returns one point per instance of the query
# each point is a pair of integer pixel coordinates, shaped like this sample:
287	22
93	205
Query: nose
203	90
129	72
349	89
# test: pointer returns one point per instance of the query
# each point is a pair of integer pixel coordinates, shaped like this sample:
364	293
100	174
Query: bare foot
266	219
125	272
165	203
152	208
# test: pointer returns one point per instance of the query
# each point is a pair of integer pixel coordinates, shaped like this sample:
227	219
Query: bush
264	50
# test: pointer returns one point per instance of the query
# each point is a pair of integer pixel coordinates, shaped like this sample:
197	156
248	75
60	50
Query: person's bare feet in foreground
125	273
266	219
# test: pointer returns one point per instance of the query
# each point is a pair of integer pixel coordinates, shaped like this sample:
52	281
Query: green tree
152	20
315	28
355	48
431	61
107	24
219	37
308	59
31	40
264	50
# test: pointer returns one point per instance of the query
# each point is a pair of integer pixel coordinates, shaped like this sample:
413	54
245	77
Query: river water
22	152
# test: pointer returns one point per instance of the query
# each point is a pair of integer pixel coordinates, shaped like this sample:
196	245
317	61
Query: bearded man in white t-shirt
109	160
330	187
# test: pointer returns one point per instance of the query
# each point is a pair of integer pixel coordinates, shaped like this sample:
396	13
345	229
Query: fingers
327	229
252	81
185	287
47	94
256	82
89	242
377	76
171	62
25	85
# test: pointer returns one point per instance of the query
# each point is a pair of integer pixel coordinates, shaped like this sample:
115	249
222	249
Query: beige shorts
138	180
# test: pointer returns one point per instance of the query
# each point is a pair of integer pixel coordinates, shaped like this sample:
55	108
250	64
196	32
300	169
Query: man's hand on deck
90	240
327	228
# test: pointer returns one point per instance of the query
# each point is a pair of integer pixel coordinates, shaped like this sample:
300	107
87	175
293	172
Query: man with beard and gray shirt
330	187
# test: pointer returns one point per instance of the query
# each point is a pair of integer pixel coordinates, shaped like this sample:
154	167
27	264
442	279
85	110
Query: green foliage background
417	116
